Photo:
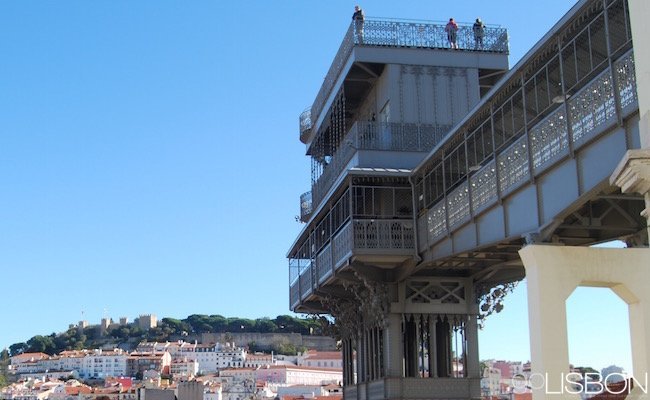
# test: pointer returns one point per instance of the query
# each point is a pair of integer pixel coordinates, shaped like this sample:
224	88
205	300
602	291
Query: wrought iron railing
305	124
357	235
324	263
342	244
386	32
372	135
385	235
306	282
324	182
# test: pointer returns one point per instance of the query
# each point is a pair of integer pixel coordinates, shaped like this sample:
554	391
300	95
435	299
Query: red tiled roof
76	390
325	355
613	389
29	356
304	368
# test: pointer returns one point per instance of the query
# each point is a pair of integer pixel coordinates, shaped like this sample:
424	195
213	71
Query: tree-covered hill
168	328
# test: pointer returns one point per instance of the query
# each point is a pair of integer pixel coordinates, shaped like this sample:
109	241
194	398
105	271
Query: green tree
265	325
41	344
240	325
176	325
218	323
199	323
17	348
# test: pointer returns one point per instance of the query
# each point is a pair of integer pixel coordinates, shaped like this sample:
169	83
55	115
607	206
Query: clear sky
149	153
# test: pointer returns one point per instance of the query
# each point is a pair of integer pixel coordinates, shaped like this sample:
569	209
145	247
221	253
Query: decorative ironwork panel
406	137
305	121
427	291
592	106
422	231
337	164
437	221
549	138
626	80
305	206
372	135
324	263
342	243
395	136
513	164
383	234
458	205
484	185
294	294
332	74
305	283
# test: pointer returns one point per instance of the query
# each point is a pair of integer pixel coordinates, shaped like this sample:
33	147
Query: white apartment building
287	375
72	360
322	359
184	368
258	360
210	357
102	364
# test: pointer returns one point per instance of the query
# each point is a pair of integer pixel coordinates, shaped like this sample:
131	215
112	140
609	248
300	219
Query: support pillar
392	337
443	348
473	367
552	273
633	172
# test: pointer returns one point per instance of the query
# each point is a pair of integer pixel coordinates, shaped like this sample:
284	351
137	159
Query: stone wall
265	341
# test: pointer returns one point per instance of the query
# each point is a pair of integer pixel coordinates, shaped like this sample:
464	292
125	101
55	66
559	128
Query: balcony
361	238
305	206
305	125
403	34
371	135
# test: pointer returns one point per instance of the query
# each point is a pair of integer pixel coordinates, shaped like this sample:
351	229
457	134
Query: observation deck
382	34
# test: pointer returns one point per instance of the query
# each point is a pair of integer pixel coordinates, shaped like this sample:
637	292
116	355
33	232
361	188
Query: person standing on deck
357	19
452	33
479	32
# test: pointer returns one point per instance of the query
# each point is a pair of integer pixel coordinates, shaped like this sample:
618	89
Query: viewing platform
406	34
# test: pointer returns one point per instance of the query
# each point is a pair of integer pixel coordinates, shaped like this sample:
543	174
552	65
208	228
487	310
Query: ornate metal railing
306	282
305	124
338	162
294	294
360	235
373	135
324	263
305	206
342	244
386	32
391	234
592	109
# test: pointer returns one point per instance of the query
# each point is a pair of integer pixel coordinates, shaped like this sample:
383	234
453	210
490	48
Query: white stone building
102	364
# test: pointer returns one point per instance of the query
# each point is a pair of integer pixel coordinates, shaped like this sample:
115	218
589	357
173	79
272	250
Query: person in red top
452	33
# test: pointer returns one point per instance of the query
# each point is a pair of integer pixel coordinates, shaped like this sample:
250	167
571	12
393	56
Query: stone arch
554	272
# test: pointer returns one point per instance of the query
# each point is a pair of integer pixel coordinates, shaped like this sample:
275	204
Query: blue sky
150	160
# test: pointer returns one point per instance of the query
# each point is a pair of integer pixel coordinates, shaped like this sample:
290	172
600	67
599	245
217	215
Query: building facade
432	168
